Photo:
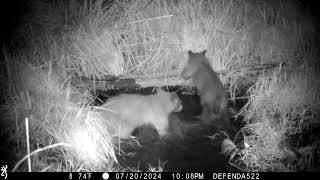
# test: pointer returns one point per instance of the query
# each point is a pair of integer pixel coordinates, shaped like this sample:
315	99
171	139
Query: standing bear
213	96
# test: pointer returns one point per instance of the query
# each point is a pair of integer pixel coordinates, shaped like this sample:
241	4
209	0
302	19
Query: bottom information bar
155	175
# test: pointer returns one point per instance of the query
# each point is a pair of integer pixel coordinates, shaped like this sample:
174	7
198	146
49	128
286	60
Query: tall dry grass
63	135
283	106
149	39
63	40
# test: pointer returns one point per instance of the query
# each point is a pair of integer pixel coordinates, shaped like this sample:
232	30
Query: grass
62	41
281	109
56	112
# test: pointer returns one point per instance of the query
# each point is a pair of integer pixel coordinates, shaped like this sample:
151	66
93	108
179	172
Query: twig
28	144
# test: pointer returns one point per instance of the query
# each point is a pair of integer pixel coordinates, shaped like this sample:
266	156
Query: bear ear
190	53
203	52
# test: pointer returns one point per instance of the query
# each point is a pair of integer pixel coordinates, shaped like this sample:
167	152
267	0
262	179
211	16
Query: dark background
13	12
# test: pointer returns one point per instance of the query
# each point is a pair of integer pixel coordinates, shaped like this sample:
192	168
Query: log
110	82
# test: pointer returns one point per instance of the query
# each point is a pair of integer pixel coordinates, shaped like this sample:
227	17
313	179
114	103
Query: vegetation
60	42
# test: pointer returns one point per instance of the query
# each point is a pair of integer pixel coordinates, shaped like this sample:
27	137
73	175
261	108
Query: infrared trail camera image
160	86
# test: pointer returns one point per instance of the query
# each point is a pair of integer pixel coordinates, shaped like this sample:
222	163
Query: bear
124	113
213	96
